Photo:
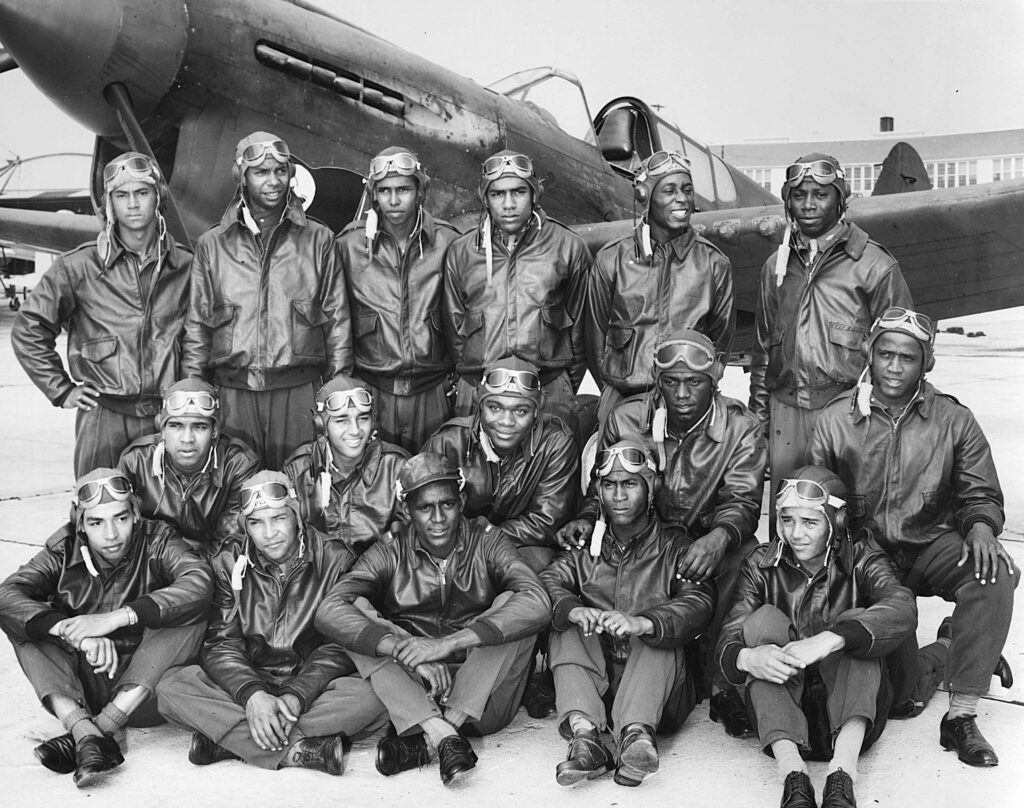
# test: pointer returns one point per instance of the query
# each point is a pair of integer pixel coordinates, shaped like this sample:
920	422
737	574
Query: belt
255	378
403	385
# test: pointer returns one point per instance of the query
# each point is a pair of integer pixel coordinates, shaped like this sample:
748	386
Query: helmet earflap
654	483
319	422
841	520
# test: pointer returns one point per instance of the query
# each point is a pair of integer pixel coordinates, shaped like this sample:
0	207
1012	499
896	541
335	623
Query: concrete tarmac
700	766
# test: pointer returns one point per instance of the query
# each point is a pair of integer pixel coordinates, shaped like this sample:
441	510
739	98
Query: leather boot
586	759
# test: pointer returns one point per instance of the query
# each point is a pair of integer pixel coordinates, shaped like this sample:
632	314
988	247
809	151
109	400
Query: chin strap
158	461
864	392
645	242
488	447
488	247
782	257
247	218
597	537
659	428
89	565
372	225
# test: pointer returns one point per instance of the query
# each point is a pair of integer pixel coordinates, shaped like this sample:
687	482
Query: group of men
279	614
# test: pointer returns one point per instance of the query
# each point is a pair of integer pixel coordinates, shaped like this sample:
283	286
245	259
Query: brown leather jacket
856	595
529	493
633	304
637	579
397	308
811	330
530	307
159	577
203	507
912	480
267	317
405	584
362	506
262	637
714	475
123	341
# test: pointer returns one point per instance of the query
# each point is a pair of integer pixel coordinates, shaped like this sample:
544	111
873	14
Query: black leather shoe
638	754
203	751
95	756
324	753
797	791
539	695
728	709
586	759
962	734
399	753
57	754
838	791
455	756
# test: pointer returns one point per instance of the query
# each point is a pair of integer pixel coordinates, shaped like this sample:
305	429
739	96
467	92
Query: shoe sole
458	776
628	776
950	746
91	778
641	757
568	777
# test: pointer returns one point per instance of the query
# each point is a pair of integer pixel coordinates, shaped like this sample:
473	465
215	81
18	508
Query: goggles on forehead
807	493
919	325
500	380
632	458
692	354
267	495
518	164
90	493
358	397
822	172
402	163
182	402
256	153
664	162
137	168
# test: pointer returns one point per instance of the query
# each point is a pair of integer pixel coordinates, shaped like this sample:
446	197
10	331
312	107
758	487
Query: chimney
885	123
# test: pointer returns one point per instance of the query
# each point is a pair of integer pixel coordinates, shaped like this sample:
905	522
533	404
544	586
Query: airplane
185	81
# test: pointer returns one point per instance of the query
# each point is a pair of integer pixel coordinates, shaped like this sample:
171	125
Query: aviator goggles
267	495
358	397
499	165
664	162
806	493
137	168
693	355
191	402
823	172
501	379
918	325
90	493
403	163
255	153
632	458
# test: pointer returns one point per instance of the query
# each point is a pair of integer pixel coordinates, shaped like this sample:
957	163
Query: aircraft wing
43	230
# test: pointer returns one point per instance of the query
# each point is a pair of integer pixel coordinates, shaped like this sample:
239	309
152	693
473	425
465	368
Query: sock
847	747
962	704
111	719
787	757
79	723
437	729
455	717
578	721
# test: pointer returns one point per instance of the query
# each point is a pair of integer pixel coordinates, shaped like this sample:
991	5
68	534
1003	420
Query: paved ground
700	765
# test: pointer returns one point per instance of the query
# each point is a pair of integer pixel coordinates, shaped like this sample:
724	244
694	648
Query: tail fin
902	171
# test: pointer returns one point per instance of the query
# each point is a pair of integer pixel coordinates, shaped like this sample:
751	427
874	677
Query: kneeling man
272	690
444	626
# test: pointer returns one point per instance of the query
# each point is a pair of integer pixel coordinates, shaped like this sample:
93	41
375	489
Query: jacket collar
713	422
923	402
840	553
171	255
534	225
680	245
418	553
528	447
642	544
233	214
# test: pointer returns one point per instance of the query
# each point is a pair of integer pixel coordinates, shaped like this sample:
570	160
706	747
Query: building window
762	176
1007	168
953	173
861	178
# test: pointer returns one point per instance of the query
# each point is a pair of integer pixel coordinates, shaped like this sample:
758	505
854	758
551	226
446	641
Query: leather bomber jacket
263	637
204	507
715	473
362	506
856	595
266	317
408	587
633	304
530	307
912	480
637	579
810	332
529	493
397	299
159	577
123	342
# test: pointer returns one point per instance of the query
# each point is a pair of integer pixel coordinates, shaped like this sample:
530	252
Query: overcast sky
726	70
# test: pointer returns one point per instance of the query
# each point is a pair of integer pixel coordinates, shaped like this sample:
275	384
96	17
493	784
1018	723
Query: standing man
122	299
920	475
394	266
268	316
820	292
188	474
515	286
454	616
659	279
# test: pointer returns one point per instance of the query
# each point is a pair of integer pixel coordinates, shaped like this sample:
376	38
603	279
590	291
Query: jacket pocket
435	336
620	347
308	321
555	334
473	341
101	364
222	329
369	340
845	351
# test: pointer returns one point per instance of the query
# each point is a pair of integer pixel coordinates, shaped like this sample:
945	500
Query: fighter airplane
184	81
